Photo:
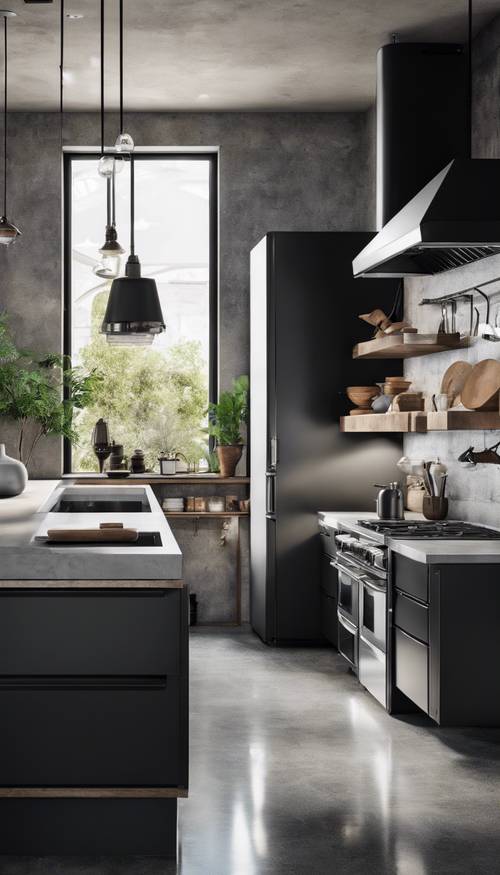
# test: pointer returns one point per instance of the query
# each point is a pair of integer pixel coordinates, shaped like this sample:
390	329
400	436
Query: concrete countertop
27	516
432	551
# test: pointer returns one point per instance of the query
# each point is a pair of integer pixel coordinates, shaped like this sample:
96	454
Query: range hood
453	221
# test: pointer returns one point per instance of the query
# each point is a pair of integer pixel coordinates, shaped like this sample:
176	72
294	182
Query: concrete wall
474	493
286	171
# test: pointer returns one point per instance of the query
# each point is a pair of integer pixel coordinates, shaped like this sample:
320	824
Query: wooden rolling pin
106	532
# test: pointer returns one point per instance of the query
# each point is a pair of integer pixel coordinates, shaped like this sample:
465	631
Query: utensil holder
435	508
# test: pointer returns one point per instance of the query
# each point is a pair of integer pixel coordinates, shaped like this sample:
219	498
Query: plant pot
228	459
13	475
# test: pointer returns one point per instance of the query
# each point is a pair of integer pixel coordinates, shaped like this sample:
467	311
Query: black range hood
453	221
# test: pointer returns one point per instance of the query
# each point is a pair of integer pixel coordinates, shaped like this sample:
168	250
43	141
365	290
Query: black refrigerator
304	322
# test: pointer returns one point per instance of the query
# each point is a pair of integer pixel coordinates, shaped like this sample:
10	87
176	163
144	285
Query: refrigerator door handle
270	493
274	452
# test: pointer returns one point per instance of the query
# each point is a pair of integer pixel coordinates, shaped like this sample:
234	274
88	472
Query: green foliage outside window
152	399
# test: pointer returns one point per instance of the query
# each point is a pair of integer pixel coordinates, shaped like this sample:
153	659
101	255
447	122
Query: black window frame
213	278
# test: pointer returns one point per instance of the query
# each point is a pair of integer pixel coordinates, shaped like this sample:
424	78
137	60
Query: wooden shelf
205	513
158	479
384	422
463	420
408	345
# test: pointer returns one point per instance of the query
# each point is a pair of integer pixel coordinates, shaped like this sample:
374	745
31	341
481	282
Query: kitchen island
93	676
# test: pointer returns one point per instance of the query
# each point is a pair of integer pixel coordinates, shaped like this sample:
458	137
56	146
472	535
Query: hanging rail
465	293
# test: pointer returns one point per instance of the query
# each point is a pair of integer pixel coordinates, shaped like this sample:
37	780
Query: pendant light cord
61	74
102	77
132	205
5	118
469	72
121	66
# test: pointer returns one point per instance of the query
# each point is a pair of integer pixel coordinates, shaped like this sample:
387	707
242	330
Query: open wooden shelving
422	423
403	346
382	422
189	514
158	479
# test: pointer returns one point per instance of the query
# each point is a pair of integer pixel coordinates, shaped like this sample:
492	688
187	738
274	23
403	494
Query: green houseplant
41	394
225	418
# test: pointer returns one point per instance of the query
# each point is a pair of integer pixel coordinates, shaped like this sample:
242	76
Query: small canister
200	505
137	464
216	504
190	504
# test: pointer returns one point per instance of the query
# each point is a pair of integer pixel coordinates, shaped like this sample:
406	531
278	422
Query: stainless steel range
446	529
361	609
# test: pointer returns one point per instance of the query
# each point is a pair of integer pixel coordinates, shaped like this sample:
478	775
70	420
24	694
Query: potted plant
225	419
40	393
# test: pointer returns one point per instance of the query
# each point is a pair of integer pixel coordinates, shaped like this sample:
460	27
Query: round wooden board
454	380
361	411
482	386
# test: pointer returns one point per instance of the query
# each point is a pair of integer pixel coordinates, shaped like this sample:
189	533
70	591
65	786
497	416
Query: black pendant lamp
133	314
8	232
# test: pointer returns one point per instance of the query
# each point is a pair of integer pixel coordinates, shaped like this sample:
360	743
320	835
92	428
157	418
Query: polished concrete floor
295	770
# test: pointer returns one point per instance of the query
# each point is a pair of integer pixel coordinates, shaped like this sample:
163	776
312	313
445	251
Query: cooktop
451	530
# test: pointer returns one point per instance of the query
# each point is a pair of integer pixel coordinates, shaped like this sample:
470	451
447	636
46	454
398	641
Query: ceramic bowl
362	396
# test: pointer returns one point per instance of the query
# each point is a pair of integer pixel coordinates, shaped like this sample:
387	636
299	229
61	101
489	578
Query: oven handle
368	582
350	627
346	568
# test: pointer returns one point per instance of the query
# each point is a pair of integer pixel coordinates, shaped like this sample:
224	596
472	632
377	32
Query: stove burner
451	530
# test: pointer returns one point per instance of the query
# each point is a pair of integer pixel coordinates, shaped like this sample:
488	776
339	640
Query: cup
441	401
434	508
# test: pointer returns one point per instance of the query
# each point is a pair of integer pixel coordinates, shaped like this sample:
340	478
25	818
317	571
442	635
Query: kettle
390	502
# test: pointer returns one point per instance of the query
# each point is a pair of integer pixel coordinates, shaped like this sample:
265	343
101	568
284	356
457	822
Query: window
153	397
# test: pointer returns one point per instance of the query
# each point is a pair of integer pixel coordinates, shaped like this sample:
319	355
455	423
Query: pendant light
109	265
124	142
8	232
133	314
108	164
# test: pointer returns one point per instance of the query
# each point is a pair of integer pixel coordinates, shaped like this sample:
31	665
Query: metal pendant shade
133	314
9	233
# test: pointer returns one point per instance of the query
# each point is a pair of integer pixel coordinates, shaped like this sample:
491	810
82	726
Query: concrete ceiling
231	55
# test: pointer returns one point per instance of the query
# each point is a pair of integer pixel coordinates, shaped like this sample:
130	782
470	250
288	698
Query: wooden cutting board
106	532
454	379
482	386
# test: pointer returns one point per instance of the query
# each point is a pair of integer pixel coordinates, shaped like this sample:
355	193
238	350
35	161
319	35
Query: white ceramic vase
13	475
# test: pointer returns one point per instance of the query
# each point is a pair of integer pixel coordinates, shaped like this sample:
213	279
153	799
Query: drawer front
329	577
91	737
411	658
410	577
411	616
88	632
329	618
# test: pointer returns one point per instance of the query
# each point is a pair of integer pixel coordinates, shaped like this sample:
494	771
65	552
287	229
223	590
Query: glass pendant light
110	251
8	231
124	143
133	314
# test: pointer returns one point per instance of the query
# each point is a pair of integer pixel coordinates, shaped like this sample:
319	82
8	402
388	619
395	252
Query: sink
104	499
145	539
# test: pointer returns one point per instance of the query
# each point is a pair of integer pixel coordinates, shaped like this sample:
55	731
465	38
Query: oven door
347	590
347	640
372	636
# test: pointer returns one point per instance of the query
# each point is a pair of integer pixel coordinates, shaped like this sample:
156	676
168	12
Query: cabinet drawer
411	658
410	577
90	736
329	579
89	632
329	618
411	616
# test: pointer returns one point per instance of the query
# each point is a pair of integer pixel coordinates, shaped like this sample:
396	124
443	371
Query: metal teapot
390	504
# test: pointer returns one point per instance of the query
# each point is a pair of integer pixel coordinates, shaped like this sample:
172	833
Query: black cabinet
445	655
328	600
93	688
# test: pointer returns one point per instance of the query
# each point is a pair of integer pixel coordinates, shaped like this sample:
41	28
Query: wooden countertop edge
91	584
94	792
